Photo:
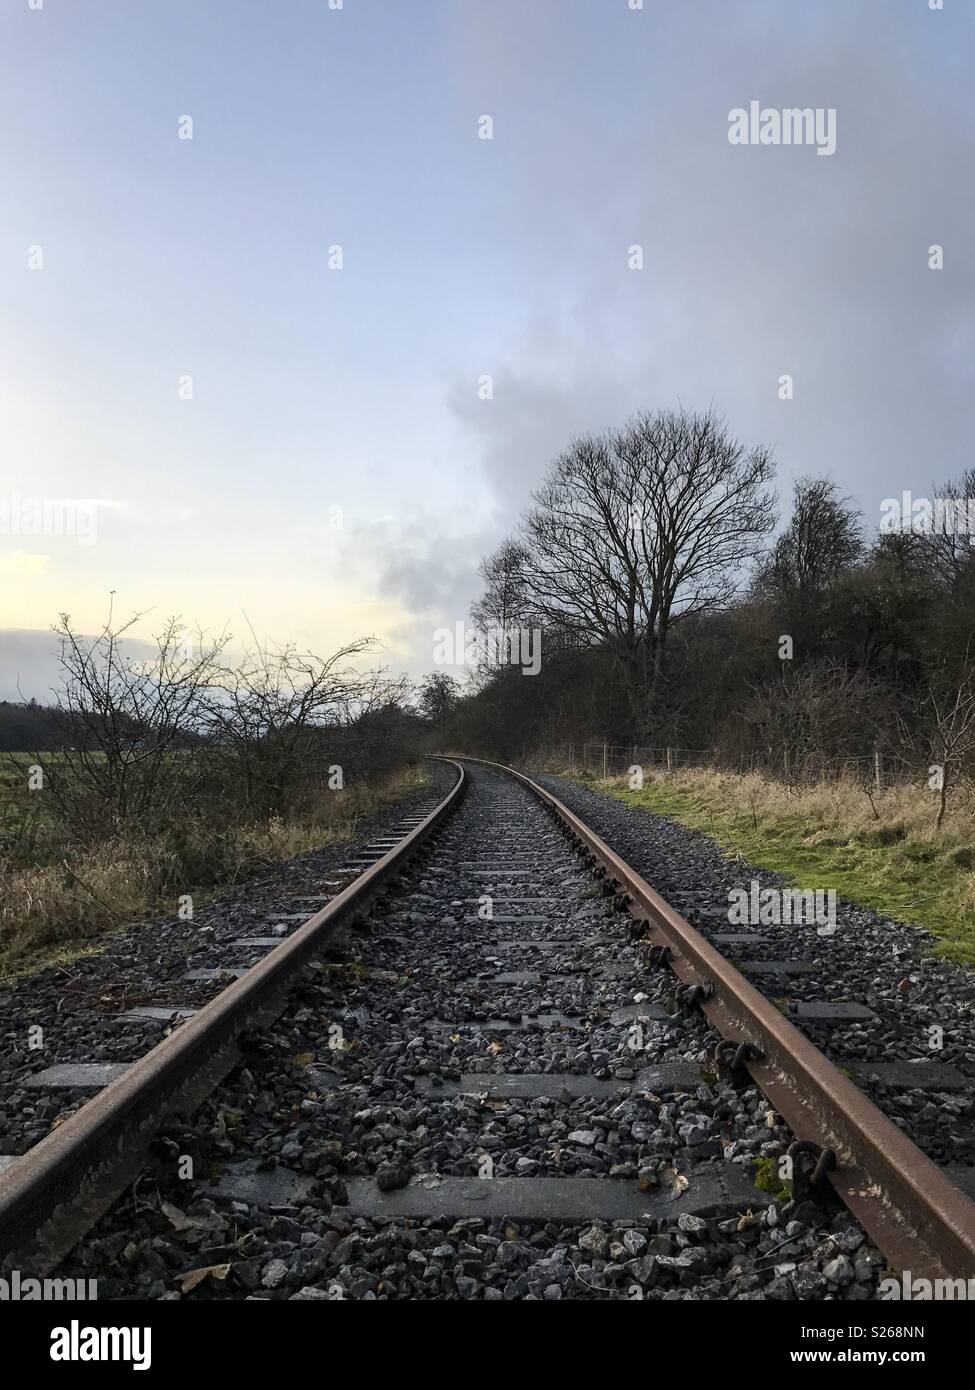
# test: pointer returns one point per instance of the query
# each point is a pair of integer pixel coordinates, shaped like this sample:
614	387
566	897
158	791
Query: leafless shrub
806	714
272	720
127	724
947	718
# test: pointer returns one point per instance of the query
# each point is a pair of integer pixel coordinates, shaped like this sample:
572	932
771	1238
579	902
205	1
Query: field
24	814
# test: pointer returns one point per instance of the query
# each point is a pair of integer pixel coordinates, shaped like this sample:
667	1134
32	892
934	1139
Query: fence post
670	760
604	763
878	769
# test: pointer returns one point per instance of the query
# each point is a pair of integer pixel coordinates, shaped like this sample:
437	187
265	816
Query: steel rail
54	1194
919	1219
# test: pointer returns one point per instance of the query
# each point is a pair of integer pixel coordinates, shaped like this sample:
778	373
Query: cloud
423	565
759	262
551	393
427	572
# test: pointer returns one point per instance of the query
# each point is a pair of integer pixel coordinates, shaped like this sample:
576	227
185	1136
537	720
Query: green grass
883	866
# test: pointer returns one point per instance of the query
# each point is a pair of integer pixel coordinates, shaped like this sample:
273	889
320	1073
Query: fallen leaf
681	1184
303	1059
181	1222
192	1277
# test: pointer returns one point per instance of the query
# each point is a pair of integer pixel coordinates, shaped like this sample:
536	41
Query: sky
267	441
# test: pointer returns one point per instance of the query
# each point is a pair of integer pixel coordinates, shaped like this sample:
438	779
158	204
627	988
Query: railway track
490	1064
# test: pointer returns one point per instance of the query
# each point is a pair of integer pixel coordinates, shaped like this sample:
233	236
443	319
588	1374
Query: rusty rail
57	1191
915	1214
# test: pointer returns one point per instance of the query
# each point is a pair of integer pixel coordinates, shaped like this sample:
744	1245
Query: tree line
675	612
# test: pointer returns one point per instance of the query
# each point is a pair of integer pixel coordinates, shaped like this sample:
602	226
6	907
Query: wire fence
877	769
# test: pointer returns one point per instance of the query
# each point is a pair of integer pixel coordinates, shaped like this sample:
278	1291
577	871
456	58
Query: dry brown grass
47	908
904	810
881	850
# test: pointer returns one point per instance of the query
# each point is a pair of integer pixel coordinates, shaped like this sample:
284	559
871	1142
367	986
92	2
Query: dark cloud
426	573
759	262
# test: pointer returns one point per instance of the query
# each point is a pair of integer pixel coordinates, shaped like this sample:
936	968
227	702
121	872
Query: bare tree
634	531
502	614
580	560
950	720
703	510
810	717
126	722
505	603
823	539
949	545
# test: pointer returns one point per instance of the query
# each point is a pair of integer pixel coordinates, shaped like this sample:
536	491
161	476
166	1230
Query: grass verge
886	856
